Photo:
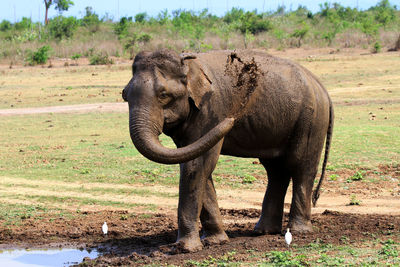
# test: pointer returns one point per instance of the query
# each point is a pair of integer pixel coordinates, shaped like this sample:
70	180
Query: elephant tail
327	147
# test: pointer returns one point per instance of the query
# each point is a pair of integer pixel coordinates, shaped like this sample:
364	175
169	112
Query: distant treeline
333	25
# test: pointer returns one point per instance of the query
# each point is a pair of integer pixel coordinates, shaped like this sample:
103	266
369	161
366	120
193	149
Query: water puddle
44	257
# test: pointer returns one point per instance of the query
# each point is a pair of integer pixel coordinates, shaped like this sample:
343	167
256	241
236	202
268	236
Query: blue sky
15	9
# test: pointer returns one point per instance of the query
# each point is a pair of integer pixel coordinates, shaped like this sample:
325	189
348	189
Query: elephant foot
186	245
215	239
300	226
263	228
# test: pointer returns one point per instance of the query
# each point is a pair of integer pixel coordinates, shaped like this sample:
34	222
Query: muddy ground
137	240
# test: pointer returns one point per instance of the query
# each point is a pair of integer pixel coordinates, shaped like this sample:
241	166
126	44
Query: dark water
44	257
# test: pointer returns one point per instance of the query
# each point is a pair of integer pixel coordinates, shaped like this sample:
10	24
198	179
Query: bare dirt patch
136	240
82	108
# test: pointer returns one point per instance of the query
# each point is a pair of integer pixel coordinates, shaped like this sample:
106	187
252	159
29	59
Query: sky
14	10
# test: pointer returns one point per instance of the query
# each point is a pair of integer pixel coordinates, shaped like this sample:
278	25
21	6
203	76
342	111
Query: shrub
24	24
40	56
253	23
100	59
76	56
62	27
377	47
91	20
234	15
354	201
248	179
121	28
299	34
132	43
5	25
141	17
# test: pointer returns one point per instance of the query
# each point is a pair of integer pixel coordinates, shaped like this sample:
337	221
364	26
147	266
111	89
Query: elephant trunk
144	134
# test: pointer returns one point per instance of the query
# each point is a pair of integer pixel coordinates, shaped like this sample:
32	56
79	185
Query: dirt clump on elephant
239	103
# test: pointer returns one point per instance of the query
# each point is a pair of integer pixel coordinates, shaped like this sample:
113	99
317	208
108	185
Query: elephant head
158	96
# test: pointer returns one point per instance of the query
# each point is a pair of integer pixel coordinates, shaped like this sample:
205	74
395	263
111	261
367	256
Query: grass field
58	164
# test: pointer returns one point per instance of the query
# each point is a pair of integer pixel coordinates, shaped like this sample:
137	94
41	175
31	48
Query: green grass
14	214
96	147
359	142
366	253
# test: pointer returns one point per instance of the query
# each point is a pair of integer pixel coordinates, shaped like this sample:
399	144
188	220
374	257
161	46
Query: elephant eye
163	95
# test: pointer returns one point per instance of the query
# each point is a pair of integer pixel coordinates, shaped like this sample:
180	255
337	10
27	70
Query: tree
61	5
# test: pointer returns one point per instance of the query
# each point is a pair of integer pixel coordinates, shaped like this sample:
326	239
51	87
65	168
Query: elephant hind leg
272	208
210	217
300	209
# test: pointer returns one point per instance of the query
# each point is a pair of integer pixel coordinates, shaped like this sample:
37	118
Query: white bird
104	228
288	237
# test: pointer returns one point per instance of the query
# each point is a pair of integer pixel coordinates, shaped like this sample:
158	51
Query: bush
252	23
91	20
100	59
132	43
5	25
234	15
76	56
24	24
62	27
40	56
377	47
141	17
121	28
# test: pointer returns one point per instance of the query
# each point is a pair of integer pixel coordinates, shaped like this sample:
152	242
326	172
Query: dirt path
82	108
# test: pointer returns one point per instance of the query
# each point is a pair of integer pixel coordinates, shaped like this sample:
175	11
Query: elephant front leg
193	196
210	217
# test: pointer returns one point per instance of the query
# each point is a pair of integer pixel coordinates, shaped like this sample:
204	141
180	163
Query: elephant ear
198	82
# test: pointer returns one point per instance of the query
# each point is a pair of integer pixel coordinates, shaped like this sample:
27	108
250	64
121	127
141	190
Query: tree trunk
47	4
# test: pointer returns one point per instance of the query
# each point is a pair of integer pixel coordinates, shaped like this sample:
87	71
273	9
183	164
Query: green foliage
100	58
326	260
63	5
141	17
333	177
5	25
253	23
121	28
91	20
24	24
163	17
225	260
377	48
248	179
358	176
133	43
76	56
354	201
62	27
384	12
39	57
300	33
389	249
285	258
233	15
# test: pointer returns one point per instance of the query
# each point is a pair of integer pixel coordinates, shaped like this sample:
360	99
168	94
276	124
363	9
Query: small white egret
288	237
104	228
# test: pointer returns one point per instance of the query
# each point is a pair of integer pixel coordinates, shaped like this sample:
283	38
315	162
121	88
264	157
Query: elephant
242	103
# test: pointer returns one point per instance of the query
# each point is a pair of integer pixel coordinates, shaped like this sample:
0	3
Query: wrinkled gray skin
245	104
